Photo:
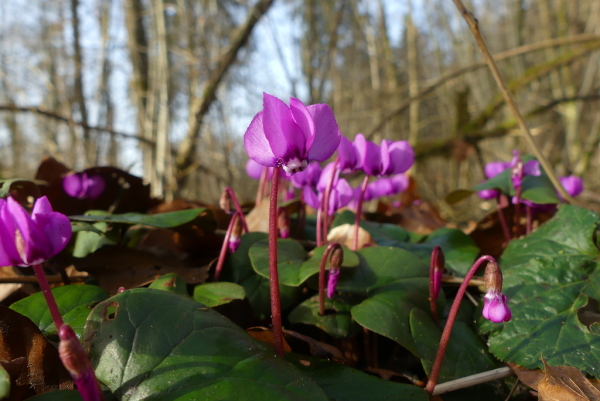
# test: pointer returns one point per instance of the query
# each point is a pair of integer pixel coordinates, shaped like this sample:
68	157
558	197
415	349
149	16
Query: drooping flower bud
225	201
438	262
283	222
335	264
78	365
495	306
236	232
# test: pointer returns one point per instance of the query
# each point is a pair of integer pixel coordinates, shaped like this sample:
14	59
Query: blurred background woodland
165	88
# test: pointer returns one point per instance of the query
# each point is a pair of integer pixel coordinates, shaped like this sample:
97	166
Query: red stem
320	225
41	276
359	208
517	221
238	208
322	277
439	357
273	273
432	298
224	247
325	225
261	185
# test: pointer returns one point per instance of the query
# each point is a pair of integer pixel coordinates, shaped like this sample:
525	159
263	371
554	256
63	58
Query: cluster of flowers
298	137
572	184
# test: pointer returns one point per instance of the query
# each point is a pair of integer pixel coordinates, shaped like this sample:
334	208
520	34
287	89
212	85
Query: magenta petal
42	206
8	253
495	308
327	134
400	183
572	184
401	157
532	167
57	228
494	168
332	280
341	195
371	159
256	143
303	119
283	134
348	159
326	177
488	194
73	185
31	243
253	169
310	198
96	186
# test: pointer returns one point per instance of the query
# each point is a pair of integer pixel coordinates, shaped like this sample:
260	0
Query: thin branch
474	26
455	74
473	380
46	113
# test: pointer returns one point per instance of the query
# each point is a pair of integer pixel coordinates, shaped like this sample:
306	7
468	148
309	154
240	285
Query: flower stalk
273	273
439	357
359	208
231	241
436	271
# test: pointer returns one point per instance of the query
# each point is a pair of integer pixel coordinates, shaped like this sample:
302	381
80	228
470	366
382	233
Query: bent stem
441	352
359	208
224	247
238	208
273	273
502	219
325	214
322	277
43	281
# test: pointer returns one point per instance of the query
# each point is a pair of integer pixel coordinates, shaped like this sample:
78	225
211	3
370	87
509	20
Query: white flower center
295	166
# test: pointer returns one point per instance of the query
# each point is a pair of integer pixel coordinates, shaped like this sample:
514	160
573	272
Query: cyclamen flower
572	184
291	136
341	195
307	178
390	158
495	308
82	186
27	240
348	157
492	169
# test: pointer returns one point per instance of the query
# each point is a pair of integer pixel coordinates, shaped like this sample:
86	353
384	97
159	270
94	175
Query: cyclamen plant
287	137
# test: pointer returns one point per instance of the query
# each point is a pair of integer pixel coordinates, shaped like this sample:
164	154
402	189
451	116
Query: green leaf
290	261
89	241
466	354
215	294
238	269
74	303
59	395
379	266
548	277
202	217
20	188
4	383
336	322
171	282
387	311
346	384
160	346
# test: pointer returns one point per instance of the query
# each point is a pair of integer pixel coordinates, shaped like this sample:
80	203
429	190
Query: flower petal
72	185
327	134
348	159
285	136
396	157
96	186
572	184
253	169
304	120
54	225
494	168
31	243
256	143
310	198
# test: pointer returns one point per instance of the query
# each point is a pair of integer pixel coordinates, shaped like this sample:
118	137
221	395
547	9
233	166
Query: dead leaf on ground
559	383
316	348
266	336
118	266
31	361
345	234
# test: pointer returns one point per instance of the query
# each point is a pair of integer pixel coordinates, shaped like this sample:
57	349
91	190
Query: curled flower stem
54	312
441	352
273	273
329	248
359	208
224	247
238	208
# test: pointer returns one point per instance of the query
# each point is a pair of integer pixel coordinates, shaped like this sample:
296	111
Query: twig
473	380
474	26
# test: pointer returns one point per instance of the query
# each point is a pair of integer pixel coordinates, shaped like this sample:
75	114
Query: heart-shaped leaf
290	261
215	294
548	276
202	217
336	322
160	346
74	303
171	282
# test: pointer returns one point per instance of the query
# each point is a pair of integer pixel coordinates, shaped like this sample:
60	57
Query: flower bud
236	232
335	264
495	306
438	260
225	201
78	365
337	258
493	277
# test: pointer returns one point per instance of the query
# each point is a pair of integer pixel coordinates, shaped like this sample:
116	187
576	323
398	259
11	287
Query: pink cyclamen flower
307	178
82	186
27	240
572	184
291	136
495	307
78	365
341	195
387	159
332	281
348	157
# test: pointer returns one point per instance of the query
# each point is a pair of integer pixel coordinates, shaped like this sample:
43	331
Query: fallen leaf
118	266
566	383
266	336
315	348
345	233
30	359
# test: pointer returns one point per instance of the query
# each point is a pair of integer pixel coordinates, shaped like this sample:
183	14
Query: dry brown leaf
118	266
316	348
31	361
345	233
266	336
566	383
258	218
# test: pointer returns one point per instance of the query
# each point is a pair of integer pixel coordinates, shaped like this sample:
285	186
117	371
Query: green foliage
215	294
171	282
74	303
549	276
